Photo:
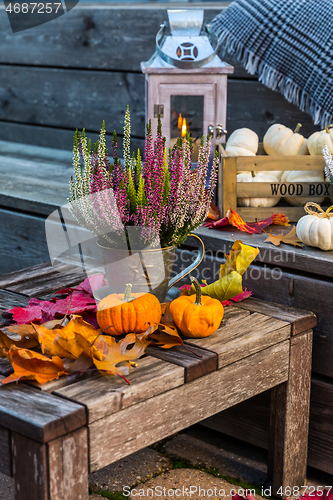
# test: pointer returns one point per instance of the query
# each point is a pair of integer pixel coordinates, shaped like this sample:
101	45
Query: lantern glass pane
187	115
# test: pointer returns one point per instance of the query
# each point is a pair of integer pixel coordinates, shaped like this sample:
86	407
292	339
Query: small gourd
280	140
317	141
128	313
303	176
316	228
196	316
257	177
242	142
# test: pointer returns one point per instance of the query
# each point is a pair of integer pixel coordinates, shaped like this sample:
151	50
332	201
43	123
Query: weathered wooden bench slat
300	320
245	337
158	417
104	396
195	365
59	469
38	415
43	279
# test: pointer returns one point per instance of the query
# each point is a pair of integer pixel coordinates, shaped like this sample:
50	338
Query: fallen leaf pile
288	238
78	300
51	338
74	347
232	218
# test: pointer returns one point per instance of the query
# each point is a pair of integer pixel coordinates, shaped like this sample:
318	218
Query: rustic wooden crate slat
5	455
293	213
38	415
103	396
300	320
290	430
183	406
245	337
229	188
264	189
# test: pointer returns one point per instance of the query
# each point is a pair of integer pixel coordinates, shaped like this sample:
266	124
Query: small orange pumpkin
128	313
196	316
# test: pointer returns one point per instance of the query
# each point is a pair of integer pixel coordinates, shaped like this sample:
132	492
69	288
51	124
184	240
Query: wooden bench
52	435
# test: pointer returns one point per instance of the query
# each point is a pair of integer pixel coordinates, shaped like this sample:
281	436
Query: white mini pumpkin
282	141
242	142
316	229
317	141
303	176
257	202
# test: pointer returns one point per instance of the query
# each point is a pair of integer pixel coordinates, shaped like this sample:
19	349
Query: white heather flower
329	163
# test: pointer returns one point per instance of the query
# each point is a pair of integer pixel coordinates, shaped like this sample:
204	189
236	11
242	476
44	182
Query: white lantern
186	81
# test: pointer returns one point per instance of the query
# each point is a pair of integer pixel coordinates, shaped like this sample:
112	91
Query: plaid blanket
289	44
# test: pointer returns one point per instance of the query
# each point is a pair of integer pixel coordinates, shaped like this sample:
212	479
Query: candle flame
184	128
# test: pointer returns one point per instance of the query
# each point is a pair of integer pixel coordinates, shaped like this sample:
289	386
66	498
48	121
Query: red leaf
245	295
232	218
92	283
79	301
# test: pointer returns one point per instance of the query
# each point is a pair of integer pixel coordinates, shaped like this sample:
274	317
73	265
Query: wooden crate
229	189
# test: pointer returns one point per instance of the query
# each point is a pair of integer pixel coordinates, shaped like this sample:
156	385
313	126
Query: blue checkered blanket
289	44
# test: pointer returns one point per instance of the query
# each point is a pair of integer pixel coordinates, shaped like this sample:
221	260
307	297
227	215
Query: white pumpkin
317	141
282	141
257	202
303	176
242	142
316	230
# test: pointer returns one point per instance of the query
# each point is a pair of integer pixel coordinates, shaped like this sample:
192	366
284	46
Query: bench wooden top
250	351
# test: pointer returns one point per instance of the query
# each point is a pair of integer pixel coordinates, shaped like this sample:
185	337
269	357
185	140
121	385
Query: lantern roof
186	45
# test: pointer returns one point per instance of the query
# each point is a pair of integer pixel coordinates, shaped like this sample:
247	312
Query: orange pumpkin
128	313
196	316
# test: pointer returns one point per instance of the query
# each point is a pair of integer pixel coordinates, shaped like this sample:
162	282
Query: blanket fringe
274	80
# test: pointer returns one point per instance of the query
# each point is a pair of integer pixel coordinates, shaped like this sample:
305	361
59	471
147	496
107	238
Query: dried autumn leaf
33	366
64	341
289	238
241	256
107	353
223	289
18	335
213	212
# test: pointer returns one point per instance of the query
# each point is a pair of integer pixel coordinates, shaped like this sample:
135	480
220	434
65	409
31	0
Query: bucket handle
192	266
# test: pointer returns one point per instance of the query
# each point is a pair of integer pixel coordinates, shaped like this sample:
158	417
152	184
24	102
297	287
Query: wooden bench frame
50	440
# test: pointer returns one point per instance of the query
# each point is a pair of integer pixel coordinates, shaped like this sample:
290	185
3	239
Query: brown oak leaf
289	238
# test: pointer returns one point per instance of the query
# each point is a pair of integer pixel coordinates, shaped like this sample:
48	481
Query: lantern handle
186	64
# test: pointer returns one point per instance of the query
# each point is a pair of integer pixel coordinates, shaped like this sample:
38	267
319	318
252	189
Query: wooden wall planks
249	421
22	241
92	71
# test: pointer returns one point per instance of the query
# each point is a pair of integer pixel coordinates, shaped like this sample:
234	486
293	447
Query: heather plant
161	194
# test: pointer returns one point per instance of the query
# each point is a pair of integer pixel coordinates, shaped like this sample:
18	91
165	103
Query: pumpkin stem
297	129
197	287
328	128
127	294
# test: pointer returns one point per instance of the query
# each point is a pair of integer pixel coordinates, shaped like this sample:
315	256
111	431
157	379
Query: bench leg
289	425
57	470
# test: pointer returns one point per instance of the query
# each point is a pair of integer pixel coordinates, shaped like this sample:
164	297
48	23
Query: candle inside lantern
184	127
